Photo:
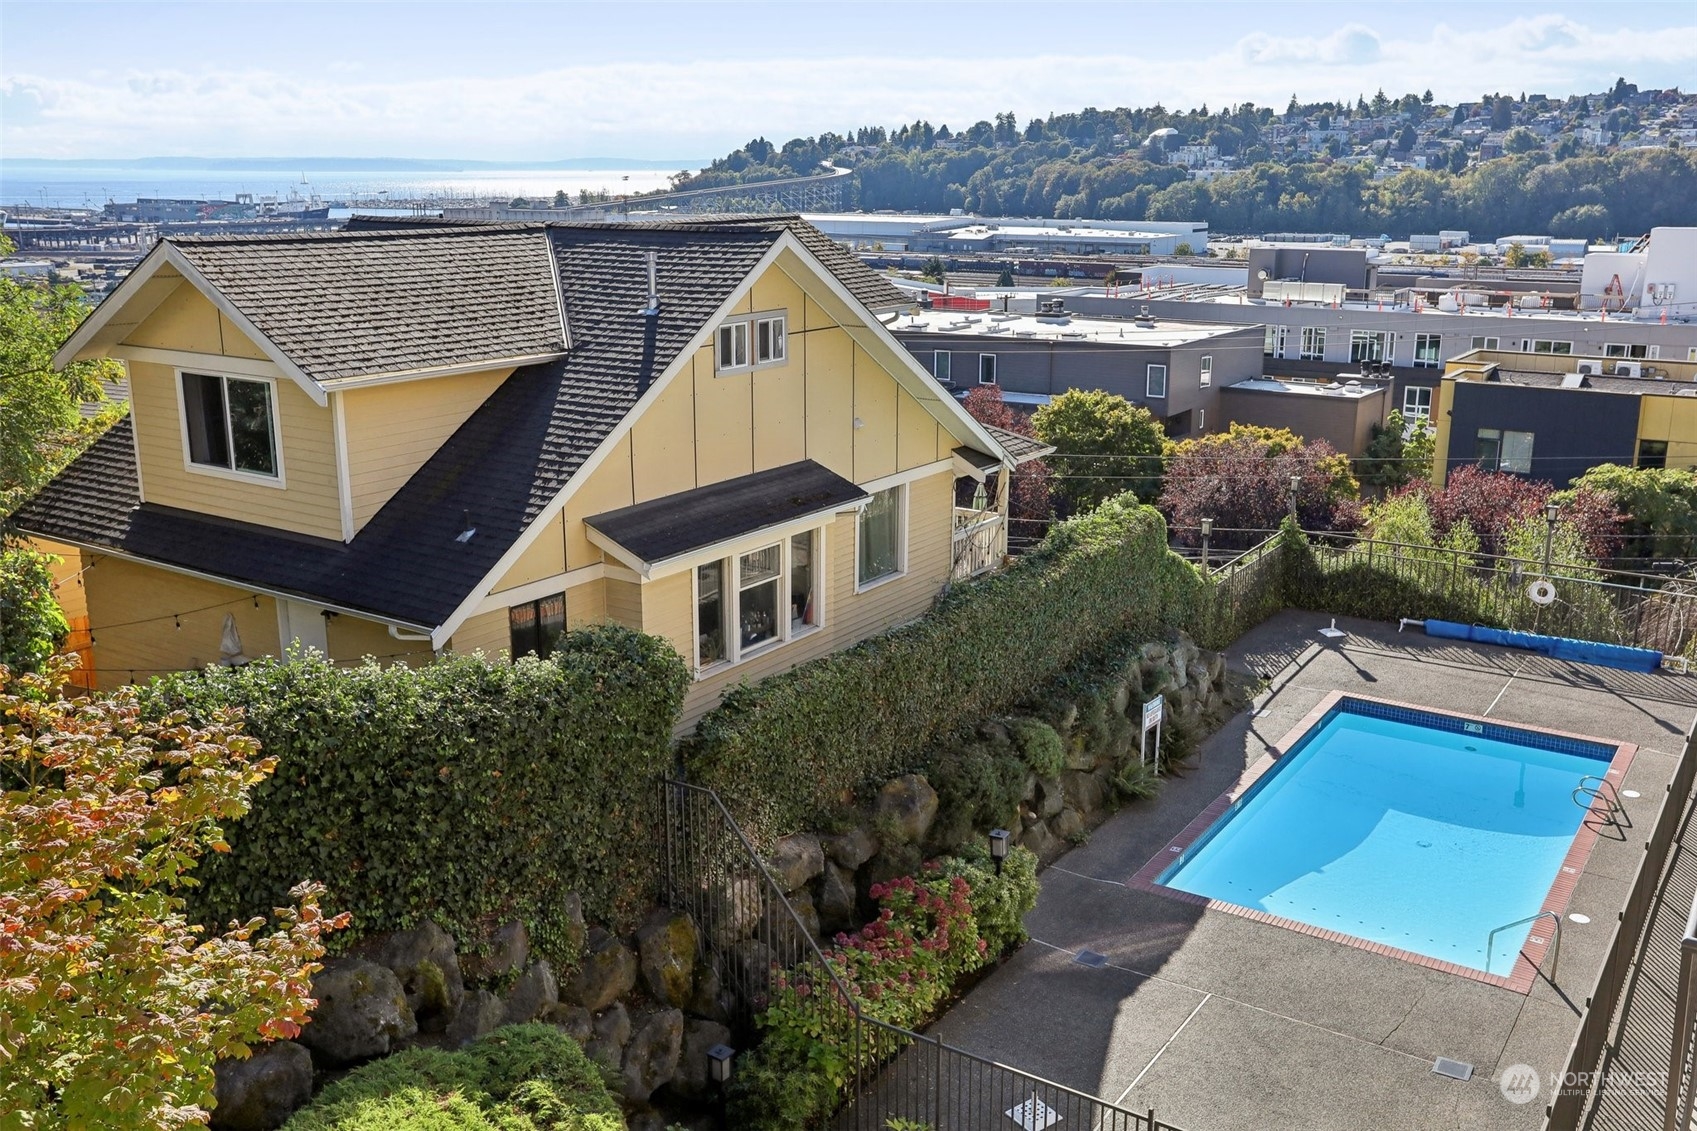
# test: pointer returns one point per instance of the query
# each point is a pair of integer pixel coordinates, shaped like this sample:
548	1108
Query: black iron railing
756	941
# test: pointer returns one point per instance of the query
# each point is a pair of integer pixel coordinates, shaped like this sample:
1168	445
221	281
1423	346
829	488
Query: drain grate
1454	1069
1091	959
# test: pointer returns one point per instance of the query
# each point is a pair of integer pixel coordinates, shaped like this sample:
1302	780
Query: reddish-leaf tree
1494	501
1241	479
113	1008
1029	501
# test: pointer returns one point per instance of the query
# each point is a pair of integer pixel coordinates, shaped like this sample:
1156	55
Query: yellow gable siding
309	504
352	639
392	429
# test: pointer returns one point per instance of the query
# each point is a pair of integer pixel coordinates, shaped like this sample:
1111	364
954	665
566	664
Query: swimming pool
1409	828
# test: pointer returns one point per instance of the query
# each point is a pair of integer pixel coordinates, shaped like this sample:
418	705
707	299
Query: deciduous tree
113	1008
1241	479
1104	446
41	423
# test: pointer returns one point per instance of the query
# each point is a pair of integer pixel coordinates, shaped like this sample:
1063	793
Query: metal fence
752	936
1590	1043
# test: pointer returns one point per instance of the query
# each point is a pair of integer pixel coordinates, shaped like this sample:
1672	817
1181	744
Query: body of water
81	186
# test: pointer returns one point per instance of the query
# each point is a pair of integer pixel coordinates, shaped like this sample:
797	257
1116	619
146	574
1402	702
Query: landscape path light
999	847
1207	529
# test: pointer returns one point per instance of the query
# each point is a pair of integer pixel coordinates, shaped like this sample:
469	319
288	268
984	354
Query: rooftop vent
653	306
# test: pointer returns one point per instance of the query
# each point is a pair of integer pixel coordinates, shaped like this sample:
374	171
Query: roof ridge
340	234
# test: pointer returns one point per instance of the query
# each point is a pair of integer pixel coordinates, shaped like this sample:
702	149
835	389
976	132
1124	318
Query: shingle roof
1021	448
345	304
498	471
679	524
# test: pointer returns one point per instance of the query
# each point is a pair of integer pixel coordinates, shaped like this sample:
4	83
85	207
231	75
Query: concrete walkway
1636	1063
1220	1023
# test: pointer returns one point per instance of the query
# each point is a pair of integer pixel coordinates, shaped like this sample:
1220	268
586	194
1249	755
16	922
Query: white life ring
1541	592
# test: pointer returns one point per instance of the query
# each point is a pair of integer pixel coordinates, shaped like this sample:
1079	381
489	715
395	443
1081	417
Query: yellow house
404	438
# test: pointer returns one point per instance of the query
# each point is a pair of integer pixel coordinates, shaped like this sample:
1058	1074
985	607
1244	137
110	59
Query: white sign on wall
1153	711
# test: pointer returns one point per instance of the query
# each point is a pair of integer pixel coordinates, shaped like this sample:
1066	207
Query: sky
620	78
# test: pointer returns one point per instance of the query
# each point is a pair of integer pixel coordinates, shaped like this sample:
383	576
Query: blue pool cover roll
1556	647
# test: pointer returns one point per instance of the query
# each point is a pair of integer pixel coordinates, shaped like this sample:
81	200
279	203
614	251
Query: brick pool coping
1525	974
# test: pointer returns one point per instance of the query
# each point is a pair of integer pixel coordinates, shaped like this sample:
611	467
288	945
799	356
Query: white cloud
696	108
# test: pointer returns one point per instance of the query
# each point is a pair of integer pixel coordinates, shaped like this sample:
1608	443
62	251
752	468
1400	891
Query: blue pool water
1406	830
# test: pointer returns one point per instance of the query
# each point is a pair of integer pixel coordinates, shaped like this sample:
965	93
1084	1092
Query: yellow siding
586	604
486	633
875	394
121	593
624	602
724	422
353	638
780	411
916	433
545	557
607	488
663	441
67	579
392	429
186	320
234	342
1673	419
830	400
668	610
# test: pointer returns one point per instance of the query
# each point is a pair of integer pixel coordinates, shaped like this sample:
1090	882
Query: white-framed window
536	626
1633	350
1371	345
733	346
1503	450
1207	370
942	367
1155	382
1273	341
1544	345
769	340
758	599
1313	343
1417	402
230	426
880	551
1484	343
986	369
751	341
1426	350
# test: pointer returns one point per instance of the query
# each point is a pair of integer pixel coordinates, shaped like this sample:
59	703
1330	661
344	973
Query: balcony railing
977	542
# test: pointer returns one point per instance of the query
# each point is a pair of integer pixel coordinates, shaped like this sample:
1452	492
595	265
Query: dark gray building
1174	369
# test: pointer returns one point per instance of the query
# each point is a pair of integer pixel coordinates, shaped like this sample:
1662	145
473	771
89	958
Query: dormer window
230	426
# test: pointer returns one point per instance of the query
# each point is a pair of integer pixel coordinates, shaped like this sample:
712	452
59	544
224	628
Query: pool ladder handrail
1609	796
1555	951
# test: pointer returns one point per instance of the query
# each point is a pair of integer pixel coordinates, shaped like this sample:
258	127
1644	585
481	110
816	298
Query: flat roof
994	325
1349	389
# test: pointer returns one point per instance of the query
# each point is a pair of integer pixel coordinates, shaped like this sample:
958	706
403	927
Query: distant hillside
1595	165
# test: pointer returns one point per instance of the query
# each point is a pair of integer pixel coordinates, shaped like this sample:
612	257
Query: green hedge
468	791
518	1078
803	742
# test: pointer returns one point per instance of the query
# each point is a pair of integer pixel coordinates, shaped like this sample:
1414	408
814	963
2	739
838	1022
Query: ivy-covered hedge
468	791
802	742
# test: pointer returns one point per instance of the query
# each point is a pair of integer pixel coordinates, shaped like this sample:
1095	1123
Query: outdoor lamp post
999	847
1207	529
719	1059
1295	483
1552	513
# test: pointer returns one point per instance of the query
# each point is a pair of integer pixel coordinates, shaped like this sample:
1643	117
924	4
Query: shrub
466	791
999	902
796	743
1040	746
899	968
32	626
518	1078
978	787
113	1007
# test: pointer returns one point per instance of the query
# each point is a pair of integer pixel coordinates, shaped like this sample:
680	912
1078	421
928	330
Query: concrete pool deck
1218	1022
